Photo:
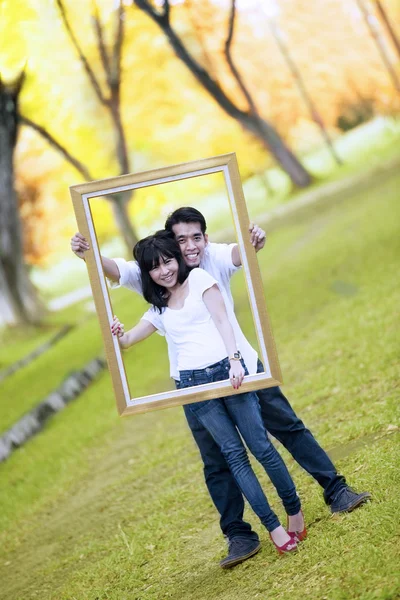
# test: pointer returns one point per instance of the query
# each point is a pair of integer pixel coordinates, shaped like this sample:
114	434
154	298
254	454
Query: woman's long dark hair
148	253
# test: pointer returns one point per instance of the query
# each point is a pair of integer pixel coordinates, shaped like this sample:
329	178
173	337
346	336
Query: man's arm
257	239
79	246
110	269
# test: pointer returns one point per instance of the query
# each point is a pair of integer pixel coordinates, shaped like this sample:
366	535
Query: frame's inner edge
245	265
149	183
105	296
194	390
165	395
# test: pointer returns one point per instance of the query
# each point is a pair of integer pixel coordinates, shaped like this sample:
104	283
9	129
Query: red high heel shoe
290	546
298	535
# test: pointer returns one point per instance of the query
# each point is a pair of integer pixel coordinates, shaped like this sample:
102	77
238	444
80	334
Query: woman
189	307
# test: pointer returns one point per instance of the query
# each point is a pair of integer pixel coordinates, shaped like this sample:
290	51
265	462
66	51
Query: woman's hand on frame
236	374
117	328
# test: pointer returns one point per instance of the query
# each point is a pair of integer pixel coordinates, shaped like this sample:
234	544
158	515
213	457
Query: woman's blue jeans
224	418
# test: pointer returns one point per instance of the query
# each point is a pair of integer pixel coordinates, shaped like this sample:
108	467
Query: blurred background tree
388	23
108	89
19	302
376	33
108	94
249	118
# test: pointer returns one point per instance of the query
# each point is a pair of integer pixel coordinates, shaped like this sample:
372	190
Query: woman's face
166	273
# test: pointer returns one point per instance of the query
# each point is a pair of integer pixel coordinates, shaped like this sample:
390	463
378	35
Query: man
221	261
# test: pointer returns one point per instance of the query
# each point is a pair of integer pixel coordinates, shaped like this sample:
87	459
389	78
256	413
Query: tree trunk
388	24
275	144
119	206
303	91
18	298
259	127
371	23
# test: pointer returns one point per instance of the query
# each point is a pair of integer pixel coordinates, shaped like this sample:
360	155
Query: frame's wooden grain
227	164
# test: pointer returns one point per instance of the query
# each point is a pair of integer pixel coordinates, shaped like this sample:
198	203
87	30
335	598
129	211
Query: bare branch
380	44
229	60
15	85
161	18
57	146
251	121
388	24
231	26
166	11
119	38
196	69
84	61
115	98
206	55
100	42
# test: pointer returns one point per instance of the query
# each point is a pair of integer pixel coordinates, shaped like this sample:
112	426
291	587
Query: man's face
192	242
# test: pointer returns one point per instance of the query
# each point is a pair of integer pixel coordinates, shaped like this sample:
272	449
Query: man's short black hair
186	214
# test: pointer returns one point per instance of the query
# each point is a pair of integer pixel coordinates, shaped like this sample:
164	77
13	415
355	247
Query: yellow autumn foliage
168	117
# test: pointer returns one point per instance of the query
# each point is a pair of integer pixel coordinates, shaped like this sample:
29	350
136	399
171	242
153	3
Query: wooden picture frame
227	164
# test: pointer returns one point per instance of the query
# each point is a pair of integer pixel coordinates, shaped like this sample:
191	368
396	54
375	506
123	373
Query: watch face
237	355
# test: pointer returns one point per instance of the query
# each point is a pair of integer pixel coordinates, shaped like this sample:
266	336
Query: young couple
193	307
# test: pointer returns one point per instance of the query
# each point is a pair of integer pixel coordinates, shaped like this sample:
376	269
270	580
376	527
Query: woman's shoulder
154	310
200	280
199	274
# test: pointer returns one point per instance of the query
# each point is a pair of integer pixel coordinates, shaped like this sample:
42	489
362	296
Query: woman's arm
216	306
140	332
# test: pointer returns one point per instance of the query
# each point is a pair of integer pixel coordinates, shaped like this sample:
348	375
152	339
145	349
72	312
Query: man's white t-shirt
217	261
197	341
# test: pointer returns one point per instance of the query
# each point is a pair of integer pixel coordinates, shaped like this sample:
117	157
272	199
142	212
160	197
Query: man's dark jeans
226	417
282	422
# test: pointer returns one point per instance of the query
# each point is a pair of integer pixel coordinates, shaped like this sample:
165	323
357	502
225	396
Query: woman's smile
169	278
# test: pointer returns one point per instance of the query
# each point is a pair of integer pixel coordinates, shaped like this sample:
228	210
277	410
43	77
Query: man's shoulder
129	266
215	251
213	247
132	264
218	256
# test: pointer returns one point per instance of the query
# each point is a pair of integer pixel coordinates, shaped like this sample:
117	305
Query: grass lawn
98	507
17	342
375	144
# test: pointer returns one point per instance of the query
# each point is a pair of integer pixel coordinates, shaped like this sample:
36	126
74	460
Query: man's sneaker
240	549
347	500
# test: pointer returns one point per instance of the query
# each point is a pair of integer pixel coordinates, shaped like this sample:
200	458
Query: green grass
374	144
31	384
18	342
46	372
109	508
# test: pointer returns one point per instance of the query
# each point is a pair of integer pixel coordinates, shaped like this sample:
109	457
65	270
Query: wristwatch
236	356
